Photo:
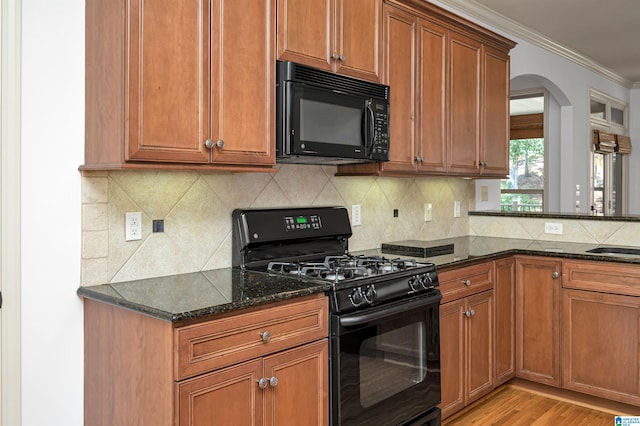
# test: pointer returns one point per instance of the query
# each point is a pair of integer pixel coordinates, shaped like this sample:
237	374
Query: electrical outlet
133	226
456	209
428	212
356	215
553	228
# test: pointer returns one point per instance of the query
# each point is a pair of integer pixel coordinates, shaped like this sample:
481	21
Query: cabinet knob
262	383
342	57
555	275
266	336
470	313
484	164
466	282
273	382
220	143
208	143
335	56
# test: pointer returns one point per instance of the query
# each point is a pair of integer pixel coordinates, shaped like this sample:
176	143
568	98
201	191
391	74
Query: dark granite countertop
202	295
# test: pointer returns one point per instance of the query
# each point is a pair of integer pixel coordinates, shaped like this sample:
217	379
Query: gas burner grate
342	267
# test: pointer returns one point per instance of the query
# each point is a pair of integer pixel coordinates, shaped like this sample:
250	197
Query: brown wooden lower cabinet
231	395
261	366
600	344
538	319
601	329
466	350
505	309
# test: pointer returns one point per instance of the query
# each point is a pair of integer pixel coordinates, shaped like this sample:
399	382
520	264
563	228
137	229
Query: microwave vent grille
340	83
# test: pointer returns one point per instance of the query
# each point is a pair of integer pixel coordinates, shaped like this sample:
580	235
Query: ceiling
604	32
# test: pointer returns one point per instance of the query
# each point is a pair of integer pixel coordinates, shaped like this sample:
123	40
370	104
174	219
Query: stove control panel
302	222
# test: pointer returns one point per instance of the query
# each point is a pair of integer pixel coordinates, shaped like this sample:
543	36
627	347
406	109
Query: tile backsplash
196	208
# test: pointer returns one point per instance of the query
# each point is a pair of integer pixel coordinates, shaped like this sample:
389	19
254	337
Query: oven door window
389	370
391	362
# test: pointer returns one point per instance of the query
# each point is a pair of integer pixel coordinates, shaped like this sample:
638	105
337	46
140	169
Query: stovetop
338	268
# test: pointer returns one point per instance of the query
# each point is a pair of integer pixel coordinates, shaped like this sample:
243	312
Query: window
524	189
608	121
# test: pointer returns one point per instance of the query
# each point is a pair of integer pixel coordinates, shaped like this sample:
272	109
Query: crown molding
501	22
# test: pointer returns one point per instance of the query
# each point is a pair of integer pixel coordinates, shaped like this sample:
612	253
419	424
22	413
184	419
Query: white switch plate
428	212
356	217
553	228
133	226
484	193
456	209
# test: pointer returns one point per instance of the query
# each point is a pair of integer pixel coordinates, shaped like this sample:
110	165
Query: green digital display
301	219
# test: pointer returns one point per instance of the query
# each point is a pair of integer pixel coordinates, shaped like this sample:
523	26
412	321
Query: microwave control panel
380	145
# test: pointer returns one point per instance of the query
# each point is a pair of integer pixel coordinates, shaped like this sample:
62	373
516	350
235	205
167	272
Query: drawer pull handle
264	382
466	282
470	313
266	336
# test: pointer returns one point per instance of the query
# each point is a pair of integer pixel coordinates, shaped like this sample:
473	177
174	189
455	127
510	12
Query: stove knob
427	281
370	294
357	297
414	283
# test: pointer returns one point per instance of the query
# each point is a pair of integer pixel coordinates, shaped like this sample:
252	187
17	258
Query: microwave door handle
369	125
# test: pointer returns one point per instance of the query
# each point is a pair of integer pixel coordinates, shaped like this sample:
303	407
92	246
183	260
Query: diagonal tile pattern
196	208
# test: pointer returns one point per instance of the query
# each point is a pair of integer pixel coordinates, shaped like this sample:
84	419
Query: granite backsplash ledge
196	208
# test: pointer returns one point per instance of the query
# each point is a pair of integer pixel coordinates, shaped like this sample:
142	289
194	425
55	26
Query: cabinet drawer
226	341
604	277
462	282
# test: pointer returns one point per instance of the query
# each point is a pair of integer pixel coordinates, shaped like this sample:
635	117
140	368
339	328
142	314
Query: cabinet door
358	38
505	309
464	119
399	63
495	135
225	397
243	89
479	345
452	356
538	319
601	336
301	394
432	132
167	84
305	32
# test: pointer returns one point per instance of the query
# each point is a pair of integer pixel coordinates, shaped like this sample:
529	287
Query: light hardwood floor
524	405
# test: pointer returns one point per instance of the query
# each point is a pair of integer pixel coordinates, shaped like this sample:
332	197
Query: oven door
385	363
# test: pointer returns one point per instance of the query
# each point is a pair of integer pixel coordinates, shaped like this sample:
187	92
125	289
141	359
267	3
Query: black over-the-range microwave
327	118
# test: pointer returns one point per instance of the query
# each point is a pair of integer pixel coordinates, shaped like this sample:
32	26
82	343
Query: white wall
52	150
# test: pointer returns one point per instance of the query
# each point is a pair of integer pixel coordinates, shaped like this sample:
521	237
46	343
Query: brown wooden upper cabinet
449	103
180	84
336	35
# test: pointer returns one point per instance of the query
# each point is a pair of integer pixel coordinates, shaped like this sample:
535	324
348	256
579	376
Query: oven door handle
358	319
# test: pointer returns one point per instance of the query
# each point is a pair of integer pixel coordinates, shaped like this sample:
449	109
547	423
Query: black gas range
312	243
384	323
